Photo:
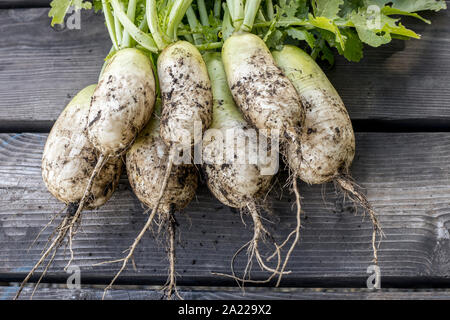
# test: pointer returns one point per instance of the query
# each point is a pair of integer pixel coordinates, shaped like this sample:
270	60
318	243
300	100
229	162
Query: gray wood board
406	177
7	293
41	69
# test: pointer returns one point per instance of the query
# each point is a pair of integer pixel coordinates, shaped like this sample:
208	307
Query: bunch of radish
233	72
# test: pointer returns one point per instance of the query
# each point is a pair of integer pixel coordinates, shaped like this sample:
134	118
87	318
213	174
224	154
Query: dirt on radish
68	161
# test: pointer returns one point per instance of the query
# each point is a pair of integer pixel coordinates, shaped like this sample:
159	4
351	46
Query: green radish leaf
59	9
288	9
391	11
345	24
328	24
327	8
302	34
349	6
275	40
97	5
376	30
327	54
353	46
419	5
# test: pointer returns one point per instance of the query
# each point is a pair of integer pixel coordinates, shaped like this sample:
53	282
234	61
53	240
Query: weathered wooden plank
407	180
220	293
402	80
41	70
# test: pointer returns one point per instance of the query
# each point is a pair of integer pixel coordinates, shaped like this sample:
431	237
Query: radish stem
269	9
152	18
209	46
217	8
110	24
119	28
176	15
141	37
131	13
236	8
251	9
203	13
193	24
227	24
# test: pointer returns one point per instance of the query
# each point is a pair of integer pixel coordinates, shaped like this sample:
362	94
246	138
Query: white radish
69	157
184	85
146	163
237	182
186	94
327	142
121	105
264	94
230	175
67	164
186	100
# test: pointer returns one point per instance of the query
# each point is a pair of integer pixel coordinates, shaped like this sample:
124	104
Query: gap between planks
220	293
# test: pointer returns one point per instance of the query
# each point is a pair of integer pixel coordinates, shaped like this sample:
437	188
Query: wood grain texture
407	181
41	70
401	80
7	293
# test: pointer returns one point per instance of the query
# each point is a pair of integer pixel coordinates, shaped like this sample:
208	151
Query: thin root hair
146	226
260	233
60	235
296	231
170	288
352	190
45	228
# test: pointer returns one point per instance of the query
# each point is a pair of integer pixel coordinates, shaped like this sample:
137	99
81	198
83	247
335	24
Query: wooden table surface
398	98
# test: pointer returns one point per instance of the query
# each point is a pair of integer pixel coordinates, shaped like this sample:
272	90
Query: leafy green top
322	24
343	24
